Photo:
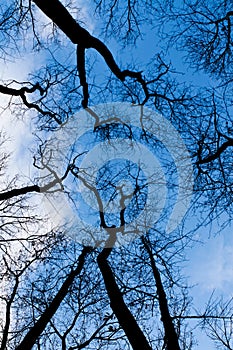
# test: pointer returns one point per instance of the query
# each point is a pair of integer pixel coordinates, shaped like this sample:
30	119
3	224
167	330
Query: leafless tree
57	293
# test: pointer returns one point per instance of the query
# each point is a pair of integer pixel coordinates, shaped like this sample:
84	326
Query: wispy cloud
211	264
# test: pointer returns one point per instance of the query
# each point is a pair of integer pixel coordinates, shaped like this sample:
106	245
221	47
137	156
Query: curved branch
22	94
80	36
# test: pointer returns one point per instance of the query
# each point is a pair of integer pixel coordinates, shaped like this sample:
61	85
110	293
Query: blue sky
209	263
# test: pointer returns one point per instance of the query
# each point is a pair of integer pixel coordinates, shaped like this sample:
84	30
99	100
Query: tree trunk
126	320
40	325
170	338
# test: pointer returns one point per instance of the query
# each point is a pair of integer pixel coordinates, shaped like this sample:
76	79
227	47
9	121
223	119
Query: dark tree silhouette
55	292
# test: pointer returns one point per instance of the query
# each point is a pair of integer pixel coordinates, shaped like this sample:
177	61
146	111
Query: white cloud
210	265
85	13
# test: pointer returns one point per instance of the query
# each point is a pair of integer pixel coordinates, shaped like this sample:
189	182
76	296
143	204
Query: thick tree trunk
126	320
40	325
170	338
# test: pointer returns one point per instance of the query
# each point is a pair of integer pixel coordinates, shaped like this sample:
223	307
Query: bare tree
58	294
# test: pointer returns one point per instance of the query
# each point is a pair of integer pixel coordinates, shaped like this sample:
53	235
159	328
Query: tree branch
80	36
82	73
40	325
18	191
22	94
217	154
